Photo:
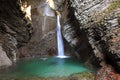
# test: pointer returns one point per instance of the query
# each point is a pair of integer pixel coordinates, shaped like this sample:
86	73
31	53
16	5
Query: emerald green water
51	67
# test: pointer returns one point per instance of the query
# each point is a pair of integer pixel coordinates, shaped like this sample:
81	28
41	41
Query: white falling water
60	44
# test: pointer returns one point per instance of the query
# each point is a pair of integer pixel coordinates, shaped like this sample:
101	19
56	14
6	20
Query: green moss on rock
114	5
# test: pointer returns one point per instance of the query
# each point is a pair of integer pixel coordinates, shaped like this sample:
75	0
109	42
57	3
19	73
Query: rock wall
14	30
4	60
92	27
43	42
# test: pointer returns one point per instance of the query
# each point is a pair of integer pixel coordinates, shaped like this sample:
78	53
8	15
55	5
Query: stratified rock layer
14	30
100	22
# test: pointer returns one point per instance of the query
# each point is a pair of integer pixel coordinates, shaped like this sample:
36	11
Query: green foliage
114	5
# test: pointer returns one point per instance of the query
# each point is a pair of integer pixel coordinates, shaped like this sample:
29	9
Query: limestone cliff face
14	30
99	20
43	41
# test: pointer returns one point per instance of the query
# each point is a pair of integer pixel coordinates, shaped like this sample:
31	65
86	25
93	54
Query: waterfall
60	44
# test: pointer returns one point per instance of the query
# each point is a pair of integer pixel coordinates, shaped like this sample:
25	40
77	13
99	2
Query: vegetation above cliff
114	5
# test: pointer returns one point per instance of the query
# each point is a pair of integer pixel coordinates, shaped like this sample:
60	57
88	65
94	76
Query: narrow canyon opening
59	39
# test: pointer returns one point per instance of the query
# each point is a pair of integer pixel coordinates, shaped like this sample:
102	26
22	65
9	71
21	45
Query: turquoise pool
49	67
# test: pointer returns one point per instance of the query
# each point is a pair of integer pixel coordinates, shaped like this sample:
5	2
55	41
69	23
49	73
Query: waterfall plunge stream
60	44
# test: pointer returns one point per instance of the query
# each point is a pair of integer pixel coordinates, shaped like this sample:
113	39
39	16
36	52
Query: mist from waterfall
60	44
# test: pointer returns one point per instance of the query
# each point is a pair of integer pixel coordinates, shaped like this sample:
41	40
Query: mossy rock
114	5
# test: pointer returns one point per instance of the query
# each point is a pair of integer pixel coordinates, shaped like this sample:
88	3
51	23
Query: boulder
4	60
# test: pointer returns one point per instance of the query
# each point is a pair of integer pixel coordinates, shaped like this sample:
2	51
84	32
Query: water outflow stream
60	44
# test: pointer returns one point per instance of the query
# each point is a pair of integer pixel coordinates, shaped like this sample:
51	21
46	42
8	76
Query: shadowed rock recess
90	27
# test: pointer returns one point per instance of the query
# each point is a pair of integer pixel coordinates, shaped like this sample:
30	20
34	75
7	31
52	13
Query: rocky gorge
99	20
91	28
